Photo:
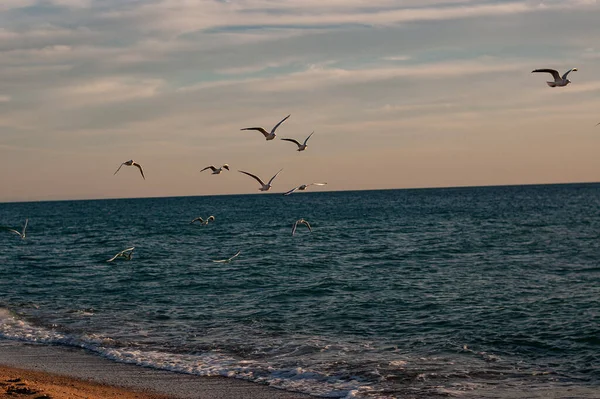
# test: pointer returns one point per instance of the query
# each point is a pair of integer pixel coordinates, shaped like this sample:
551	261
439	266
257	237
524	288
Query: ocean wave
210	363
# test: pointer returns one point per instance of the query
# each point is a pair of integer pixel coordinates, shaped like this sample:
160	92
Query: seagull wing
209	167
273	178
294	228
25	227
260	129
304	222
317	184
553	72
114	257
280	122
198	219
15	231
255	177
292	190
140	168
119	168
234	256
308	137
568	72
292	141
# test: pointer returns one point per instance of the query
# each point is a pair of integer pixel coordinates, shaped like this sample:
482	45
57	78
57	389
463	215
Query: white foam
209	363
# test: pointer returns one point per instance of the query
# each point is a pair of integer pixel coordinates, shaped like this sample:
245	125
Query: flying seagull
228	260
126	253
202	221
22	235
558	80
131	163
304	187
301	147
301	221
268	136
265	187
216	171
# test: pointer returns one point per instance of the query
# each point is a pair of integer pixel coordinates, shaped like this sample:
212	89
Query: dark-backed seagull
301	221
303	187
126	253
202	221
301	147
268	136
216	171
265	187
22	235
228	260
558	80
131	163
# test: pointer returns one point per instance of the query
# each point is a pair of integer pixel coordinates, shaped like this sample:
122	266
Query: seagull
558	80
304	187
202	221
228	260
268	136
22	235
301	221
126	253
301	147
216	171
265	187
131	163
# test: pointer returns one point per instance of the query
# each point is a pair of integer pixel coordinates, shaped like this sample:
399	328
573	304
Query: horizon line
309	193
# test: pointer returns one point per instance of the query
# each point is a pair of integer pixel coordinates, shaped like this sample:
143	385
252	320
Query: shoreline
71	367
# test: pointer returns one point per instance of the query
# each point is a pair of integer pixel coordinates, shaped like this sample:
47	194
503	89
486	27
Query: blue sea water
464	292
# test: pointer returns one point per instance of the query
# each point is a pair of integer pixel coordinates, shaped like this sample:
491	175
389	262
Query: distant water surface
468	292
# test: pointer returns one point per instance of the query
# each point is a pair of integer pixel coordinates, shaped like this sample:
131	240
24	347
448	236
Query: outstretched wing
25	227
294	228
234	256
568	72
255	177
308	137
273	178
15	231
304	222
292	141
317	184
198	219
119	168
280	122
140	168
260	129
209	167
292	190
553	72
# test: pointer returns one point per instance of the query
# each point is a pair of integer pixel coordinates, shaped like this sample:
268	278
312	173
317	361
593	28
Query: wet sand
37	371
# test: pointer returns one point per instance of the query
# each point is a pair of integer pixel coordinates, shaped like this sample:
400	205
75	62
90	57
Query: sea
489	292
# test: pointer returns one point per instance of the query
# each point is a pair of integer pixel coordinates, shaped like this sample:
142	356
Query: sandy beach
37	371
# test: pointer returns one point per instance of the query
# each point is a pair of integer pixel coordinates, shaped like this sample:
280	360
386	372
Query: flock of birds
127	254
559	81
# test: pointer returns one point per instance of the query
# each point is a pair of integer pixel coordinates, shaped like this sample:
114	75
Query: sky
399	93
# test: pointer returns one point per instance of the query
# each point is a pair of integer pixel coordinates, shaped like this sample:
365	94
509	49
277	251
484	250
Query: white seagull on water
301	221
22	235
228	260
265	187
131	163
303	187
301	147
558	80
268	136
126	253
216	171
202	221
